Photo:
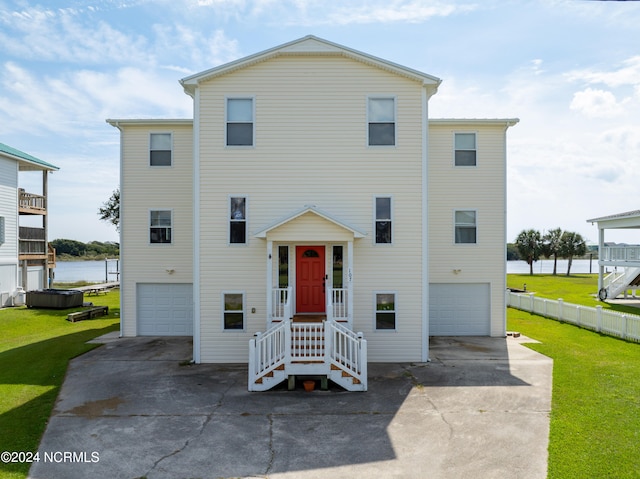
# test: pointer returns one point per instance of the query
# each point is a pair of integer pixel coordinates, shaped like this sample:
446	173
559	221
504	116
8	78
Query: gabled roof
309	209
309	45
27	162
629	219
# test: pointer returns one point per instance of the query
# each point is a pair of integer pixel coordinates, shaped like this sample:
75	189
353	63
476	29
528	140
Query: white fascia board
309	45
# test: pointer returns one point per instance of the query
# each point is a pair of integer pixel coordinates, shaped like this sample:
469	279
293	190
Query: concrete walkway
133	409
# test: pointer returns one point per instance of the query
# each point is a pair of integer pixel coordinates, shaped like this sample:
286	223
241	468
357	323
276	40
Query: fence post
598	318
579	315
560	304
531	308
625	333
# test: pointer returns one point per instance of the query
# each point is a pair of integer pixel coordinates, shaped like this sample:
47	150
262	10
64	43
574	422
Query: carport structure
625	259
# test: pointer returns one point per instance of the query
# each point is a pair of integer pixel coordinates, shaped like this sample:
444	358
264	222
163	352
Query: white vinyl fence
612	323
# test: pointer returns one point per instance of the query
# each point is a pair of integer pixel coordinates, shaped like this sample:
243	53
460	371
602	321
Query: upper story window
160	226
240	121
466	227
160	149
465	149
238	220
381	116
383	221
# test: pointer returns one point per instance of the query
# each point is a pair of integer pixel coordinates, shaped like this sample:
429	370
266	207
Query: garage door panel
165	309
459	309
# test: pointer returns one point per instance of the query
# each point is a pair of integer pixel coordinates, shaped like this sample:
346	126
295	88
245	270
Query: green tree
70	247
110	210
529	245
551	246
572	244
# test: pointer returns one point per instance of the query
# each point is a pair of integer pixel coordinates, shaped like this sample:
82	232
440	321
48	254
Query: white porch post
350	282
269	282
600	265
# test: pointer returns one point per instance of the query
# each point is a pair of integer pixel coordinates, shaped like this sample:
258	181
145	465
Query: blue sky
570	70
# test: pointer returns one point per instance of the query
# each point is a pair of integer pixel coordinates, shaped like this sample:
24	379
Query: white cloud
598	103
394	11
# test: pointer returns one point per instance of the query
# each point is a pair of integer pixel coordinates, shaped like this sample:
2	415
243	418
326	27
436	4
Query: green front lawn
595	419
35	348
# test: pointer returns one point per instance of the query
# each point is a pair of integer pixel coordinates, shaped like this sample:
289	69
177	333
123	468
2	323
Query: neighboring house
311	183
618	264
26	259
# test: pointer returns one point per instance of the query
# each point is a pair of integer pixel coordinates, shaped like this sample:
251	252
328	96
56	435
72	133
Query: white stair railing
307	342
281	304
268	351
339	304
616	283
348	351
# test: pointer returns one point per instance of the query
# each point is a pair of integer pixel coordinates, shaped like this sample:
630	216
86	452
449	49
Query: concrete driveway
133	409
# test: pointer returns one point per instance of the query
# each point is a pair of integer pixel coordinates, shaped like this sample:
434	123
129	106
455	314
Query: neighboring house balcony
308	347
31	204
34	246
620	256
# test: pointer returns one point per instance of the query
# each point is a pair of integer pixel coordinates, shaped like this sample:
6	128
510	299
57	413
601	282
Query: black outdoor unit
55	298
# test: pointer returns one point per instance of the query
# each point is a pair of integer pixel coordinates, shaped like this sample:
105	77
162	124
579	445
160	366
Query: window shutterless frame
465	146
237	214
160	149
233	312
381	120
465	226
385	304
161	226
383	219
240	115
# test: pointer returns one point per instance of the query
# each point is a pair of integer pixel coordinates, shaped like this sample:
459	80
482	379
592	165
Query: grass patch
35	348
577	289
595	419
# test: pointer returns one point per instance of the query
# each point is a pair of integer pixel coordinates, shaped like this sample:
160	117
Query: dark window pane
337	267
239	134
160	158
237	232
383	231
238	209
382	134
310	253
283	270
383	208
465	158
160	235
465	234
385	320
233	320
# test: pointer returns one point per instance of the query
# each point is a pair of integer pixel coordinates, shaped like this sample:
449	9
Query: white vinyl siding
482	187
143	189
9	211
327	163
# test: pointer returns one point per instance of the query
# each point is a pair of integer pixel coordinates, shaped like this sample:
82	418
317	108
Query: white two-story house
311	217
26	258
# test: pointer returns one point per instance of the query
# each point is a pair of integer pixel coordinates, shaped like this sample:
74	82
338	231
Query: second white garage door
459	309
165	309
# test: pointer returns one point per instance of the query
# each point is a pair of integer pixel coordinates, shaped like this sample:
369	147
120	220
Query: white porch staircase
617	283
326	349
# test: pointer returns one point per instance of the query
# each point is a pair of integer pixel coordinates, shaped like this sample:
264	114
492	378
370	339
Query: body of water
93	271
579	266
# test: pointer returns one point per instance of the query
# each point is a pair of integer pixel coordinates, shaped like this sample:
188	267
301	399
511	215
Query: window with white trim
385	310
240	121
384	223
233	311
160	153
466	227
465	149
160	225
237	220
381	116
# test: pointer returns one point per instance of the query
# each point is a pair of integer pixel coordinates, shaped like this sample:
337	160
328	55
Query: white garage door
165	309
459	309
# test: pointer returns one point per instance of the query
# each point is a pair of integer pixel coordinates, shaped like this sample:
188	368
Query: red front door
310	279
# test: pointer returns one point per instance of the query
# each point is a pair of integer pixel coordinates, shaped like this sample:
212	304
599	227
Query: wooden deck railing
31	203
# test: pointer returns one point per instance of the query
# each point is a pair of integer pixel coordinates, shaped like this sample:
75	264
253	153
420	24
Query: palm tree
572	244
529	244
551	246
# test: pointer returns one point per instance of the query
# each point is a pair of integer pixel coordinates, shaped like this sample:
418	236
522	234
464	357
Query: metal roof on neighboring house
21	156
628	219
